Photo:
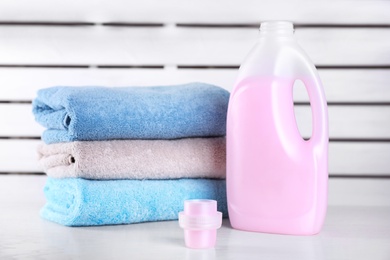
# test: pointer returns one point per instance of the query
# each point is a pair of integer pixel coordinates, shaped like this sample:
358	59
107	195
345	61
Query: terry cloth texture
102	113
136	159
80	202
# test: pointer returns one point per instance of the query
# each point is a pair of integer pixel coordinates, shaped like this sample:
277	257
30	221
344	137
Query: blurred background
151	42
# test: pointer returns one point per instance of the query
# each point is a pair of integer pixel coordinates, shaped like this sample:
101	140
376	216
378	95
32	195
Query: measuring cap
200	221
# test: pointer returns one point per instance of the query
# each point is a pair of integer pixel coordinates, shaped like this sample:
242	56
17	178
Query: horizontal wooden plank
183	46
349	122
19	156
344	121
359	158
356	85
23	83
345	158
203	11
18	121
359	192
349	85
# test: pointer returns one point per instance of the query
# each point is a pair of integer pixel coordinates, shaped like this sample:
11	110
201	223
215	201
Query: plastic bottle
276	181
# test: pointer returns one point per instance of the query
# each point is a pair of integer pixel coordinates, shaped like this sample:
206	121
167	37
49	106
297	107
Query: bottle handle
313	85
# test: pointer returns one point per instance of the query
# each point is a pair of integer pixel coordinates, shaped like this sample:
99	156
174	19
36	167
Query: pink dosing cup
200	221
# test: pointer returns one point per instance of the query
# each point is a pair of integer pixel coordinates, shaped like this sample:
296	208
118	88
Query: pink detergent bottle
276	181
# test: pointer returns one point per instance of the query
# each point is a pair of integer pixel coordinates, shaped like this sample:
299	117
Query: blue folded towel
80	202
102	113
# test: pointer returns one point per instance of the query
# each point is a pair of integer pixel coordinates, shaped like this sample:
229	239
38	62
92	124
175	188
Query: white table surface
350	232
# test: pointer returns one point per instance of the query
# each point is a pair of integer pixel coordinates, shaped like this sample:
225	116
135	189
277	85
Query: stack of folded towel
131	154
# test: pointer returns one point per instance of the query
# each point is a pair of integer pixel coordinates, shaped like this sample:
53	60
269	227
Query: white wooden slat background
122	43
200	11
345	85
170	45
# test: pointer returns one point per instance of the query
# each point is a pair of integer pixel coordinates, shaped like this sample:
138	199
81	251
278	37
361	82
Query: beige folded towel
136	159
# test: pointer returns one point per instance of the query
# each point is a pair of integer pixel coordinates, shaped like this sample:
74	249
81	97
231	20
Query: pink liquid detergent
276	181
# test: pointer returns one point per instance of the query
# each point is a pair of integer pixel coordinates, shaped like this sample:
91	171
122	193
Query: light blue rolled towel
80	202
103	113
